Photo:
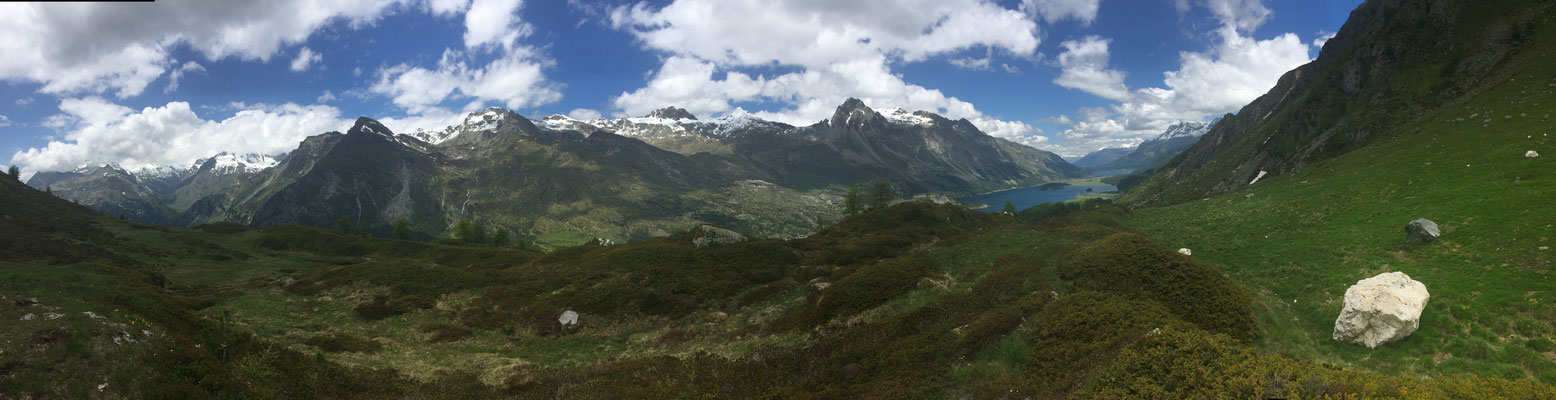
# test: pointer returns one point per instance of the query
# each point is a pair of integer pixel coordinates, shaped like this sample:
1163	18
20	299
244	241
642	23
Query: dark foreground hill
914	300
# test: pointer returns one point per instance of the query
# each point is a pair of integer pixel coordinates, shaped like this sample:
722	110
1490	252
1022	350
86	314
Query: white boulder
1531	154
1380	310
1186	251
569	319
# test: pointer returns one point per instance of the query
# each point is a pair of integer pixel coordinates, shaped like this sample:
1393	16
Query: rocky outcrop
714	235
1421	231
673	113
1380	310
1531	154
1186	251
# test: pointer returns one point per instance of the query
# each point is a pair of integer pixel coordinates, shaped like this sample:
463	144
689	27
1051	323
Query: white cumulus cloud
73	48
1084	66
178	74
584	114
494	22
173	134
1236	70
515	80
841	49
1052	11
1323	37
1245	15
305	58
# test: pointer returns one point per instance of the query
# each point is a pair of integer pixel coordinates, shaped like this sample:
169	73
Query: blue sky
175	80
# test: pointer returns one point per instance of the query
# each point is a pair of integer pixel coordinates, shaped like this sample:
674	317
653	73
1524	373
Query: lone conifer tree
402	229
344	223
500	237
15	173
48	189
1010	208
853	202
881	196
470	231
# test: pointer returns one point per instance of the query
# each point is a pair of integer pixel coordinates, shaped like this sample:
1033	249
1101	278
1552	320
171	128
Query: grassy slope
924	301
1300	239
1416	67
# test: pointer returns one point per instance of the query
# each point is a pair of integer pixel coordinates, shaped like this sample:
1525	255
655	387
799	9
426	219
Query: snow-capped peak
562	122
158	171
484	120
903	116
1187	128
668	122
225	162
672	113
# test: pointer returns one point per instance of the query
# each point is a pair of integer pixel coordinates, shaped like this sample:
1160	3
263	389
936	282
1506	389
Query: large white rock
1186	251
1531	154
1380	310
569	319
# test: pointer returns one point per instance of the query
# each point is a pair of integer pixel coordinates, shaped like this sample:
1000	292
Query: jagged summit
671	113
853	110
1187	128
372	126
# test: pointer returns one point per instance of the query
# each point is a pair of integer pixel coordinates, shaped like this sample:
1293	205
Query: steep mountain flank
1102	156
1390	62
367	176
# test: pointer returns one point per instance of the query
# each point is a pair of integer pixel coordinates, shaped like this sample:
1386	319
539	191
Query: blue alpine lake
1031	196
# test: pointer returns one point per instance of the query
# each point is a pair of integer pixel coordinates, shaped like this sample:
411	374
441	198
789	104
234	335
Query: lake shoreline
1028	196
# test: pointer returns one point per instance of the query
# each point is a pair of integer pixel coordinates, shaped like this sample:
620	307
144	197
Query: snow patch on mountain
1187	128
160	171
562	123
227	163
903	116
486	120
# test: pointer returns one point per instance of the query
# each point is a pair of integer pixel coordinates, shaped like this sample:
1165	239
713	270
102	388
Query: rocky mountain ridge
1150	153
620	178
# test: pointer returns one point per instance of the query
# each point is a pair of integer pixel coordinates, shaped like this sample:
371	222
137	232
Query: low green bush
1133	265
870	286
1082	331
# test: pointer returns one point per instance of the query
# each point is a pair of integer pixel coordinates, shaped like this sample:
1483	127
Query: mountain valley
666	256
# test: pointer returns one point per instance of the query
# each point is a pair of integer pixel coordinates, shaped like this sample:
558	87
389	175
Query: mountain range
1150	153
647	176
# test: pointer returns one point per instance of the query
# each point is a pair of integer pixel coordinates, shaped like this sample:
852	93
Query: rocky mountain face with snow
154	194
1159	150
916	151
564	178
